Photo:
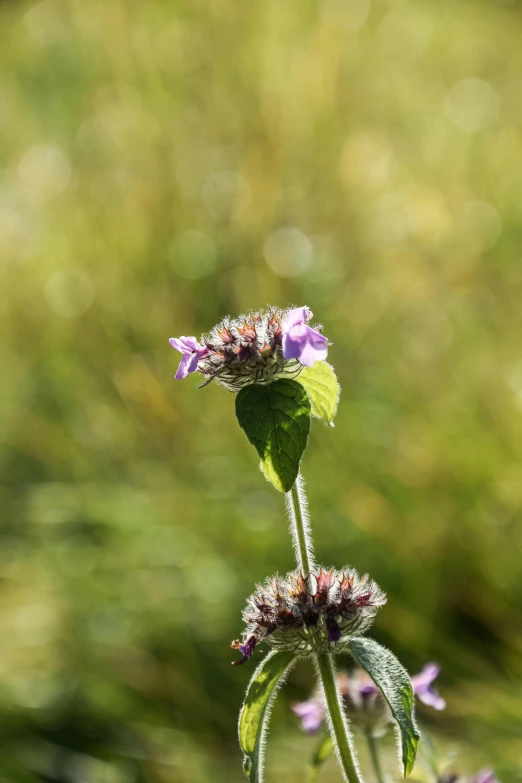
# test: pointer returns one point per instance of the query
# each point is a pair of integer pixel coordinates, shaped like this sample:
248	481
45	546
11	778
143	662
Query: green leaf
255	713
323	388
276	420
323	752
392	678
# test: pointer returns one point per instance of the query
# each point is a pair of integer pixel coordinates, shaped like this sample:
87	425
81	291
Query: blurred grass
163	164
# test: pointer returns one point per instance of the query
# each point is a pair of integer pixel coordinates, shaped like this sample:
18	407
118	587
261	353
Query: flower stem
296	505
297	509
336	719
374	755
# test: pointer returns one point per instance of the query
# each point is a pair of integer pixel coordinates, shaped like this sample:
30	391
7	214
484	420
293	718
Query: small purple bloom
301	341
485	776
311	713
246	649
367	691
192	352
359	691
422	687
334	632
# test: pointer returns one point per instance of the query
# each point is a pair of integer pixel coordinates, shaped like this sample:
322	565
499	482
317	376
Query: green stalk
374	755
296	506
337	722
336	719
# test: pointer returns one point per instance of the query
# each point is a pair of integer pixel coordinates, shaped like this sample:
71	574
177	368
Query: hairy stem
296	505
374	755
297	509
336	719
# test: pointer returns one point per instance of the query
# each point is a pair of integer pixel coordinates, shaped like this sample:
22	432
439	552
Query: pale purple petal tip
422	686
485	776
296	317
311	713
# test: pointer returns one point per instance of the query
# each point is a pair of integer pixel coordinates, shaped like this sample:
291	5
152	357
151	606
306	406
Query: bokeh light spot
226	195
472	104
405	34
350	14
288	252
69	293
479	225
43	172
193	255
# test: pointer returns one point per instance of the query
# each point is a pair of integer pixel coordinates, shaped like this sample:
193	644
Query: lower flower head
255	348
317	613
365	704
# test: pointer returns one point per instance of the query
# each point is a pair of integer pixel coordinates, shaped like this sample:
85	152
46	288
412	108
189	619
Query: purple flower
192	352
485	776
246	649
311	713
301	341
364	703
422	687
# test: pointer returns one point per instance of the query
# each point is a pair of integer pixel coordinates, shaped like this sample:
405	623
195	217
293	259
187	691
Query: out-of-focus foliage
162	164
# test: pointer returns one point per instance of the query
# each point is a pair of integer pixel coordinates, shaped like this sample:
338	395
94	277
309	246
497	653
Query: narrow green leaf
392	678
323	752
254	715
276	420
323	388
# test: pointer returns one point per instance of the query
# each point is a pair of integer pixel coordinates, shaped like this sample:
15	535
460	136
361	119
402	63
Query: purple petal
424	679
432	699
293	342
305	344
334	632
296	317
485	776
178	345
187	360
185	344
368	690
245	649
422	686
193	364
315	348
311	713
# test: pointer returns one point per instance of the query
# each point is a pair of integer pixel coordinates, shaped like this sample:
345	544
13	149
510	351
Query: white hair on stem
331	724
297	510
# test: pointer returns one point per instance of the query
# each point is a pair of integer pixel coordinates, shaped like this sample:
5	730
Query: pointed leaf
392	678
276	420
323	752
255	713
323	388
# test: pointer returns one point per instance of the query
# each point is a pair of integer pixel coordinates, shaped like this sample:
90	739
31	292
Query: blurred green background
163	164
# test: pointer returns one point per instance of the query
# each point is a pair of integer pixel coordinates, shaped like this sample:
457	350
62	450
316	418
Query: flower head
319	612
300	341
423	687
366	705
192	353
254	348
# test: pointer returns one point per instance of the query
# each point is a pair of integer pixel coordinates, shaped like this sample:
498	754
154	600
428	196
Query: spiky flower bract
306	614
